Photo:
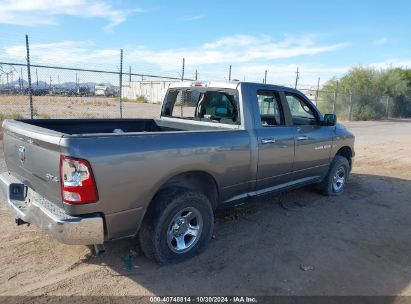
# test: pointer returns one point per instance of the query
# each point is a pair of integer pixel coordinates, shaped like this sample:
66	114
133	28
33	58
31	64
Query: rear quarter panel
130	169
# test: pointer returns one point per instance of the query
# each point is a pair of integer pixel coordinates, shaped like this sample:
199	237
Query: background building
151	91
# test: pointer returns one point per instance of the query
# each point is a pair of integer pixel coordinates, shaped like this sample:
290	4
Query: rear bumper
67	229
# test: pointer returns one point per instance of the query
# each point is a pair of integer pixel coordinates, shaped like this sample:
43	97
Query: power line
90	70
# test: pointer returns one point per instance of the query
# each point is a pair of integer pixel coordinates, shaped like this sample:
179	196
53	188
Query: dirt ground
295	243
75	107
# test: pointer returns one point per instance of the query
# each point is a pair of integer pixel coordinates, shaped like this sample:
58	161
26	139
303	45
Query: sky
322	38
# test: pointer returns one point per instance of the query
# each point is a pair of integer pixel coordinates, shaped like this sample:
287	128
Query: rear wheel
336	179
178	226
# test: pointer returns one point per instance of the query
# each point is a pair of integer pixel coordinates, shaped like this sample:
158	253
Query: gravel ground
295	243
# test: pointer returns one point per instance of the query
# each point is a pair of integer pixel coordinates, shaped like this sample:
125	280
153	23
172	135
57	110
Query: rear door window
271	112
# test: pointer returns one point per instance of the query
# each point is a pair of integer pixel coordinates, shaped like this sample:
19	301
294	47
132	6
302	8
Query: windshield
204	104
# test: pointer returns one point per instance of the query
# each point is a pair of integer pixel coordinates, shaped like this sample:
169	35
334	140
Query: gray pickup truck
215	144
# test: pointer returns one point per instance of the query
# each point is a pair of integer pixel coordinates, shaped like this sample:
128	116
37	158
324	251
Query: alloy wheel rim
339	179
184	230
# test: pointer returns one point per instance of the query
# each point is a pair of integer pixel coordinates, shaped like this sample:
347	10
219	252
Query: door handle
268	141
302	137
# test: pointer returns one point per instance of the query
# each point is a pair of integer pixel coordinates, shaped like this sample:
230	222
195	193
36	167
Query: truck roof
220	84
210	84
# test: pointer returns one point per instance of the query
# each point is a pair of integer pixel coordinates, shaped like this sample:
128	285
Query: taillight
77	181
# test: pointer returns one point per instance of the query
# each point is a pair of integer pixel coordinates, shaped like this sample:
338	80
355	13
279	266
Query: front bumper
67	229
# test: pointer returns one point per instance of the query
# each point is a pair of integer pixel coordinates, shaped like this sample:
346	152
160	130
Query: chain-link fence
30	90
348	106
58	92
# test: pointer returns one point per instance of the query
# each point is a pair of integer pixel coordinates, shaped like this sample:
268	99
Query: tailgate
32	155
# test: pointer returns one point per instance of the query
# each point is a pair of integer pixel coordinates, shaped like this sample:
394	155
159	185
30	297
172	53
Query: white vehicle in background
100	90
107	90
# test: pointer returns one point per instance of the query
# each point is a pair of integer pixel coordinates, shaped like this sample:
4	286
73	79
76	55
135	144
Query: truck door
275	142
313	141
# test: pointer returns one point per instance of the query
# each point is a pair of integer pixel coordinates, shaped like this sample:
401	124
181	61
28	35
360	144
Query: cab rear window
219	106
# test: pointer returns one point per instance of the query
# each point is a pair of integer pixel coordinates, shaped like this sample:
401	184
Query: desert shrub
369	89
141	99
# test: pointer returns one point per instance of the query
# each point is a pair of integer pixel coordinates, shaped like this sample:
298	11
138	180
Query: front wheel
336	179
178	225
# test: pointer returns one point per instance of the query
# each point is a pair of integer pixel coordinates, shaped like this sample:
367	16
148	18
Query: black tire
154	232
326	186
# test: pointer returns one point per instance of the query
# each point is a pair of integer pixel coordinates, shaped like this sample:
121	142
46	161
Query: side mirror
330	119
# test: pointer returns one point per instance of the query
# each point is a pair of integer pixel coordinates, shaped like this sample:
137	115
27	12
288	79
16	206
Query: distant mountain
90	84
14	84
40	84
69	84
44	85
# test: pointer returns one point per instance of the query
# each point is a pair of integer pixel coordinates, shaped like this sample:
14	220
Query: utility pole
296	78
182	92
29	76
350	108
229	73
37	80
335	99
196	75
265	76
388	106
318	91
121	82
21	77
182	70
129	75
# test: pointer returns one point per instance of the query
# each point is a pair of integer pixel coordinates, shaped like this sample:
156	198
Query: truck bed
33	147
98	126
95	126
